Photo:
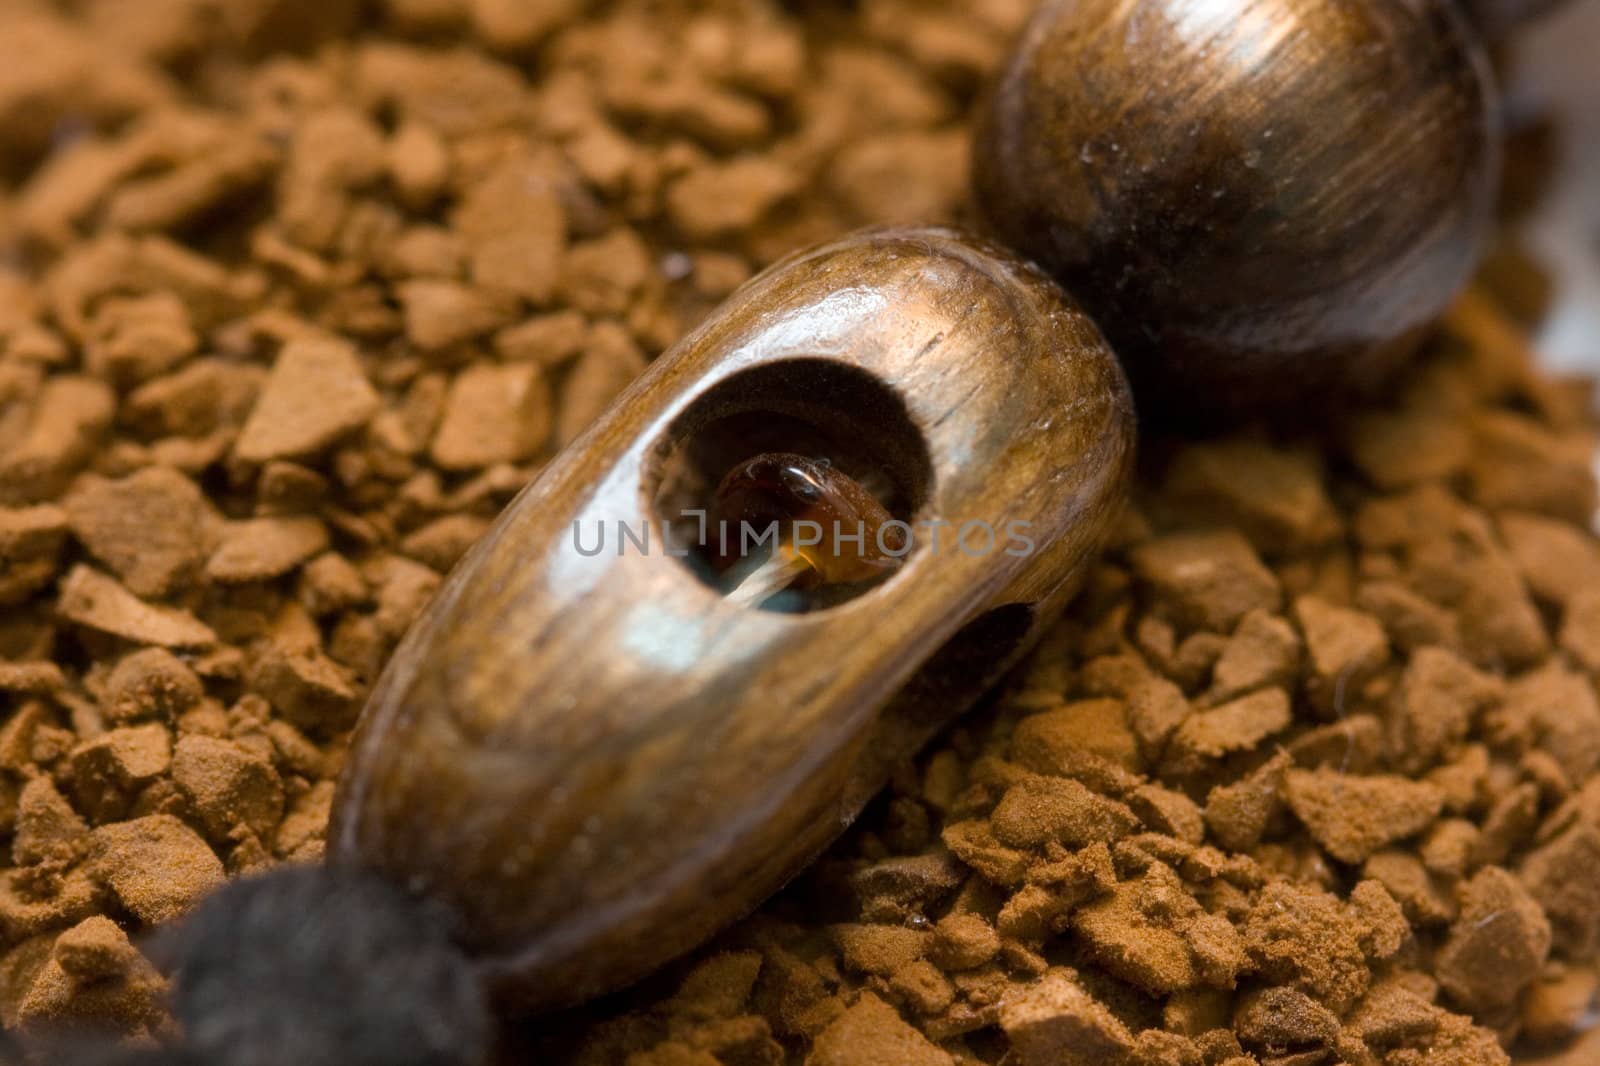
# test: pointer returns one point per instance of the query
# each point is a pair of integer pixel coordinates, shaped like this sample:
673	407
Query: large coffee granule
295	297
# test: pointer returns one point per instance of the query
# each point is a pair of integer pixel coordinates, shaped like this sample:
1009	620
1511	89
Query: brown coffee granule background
293	298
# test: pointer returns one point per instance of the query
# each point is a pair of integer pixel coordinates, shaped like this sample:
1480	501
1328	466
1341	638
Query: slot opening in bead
810	447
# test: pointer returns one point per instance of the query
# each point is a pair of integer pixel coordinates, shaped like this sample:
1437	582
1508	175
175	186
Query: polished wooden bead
598	760
1261	201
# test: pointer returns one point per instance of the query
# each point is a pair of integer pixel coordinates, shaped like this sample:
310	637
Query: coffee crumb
260	549
1211	579
315	394
1351	816
871	1031
1057	1021
155	866
98	602
1497	945
494	414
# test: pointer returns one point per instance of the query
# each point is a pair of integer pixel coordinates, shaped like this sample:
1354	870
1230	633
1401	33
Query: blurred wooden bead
1262	201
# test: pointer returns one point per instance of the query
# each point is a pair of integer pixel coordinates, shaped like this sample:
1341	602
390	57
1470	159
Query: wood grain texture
1260	201
597	761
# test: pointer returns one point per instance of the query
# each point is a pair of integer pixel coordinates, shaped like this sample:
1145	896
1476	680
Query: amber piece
821	516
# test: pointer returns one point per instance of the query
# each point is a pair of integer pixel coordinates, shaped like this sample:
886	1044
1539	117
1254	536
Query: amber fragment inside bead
808	522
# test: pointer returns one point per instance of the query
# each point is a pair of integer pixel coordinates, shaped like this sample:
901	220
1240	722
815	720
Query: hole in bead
782	454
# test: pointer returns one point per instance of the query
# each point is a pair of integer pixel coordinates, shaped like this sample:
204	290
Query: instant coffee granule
293	298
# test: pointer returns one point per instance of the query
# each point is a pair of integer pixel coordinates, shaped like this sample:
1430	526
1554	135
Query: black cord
314	967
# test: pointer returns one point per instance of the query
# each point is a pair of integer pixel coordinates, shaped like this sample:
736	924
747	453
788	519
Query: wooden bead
597	760
1262	201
